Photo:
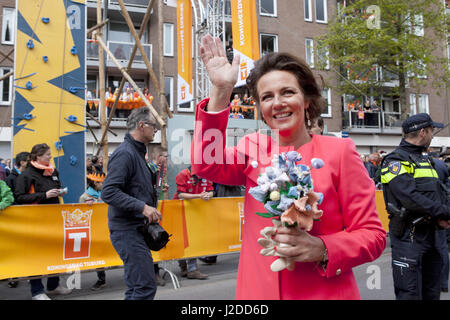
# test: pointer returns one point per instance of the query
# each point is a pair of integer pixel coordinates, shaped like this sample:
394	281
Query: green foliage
357	43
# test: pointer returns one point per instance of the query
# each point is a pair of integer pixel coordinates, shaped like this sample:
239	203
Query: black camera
155	236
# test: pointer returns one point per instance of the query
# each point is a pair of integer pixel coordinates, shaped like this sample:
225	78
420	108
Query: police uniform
410	181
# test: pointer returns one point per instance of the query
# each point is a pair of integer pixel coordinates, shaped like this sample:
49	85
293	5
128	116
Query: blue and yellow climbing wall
49	81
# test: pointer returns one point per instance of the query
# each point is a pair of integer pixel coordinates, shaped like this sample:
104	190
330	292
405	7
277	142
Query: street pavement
374	281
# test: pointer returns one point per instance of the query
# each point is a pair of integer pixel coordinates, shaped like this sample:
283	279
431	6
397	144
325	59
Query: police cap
419	121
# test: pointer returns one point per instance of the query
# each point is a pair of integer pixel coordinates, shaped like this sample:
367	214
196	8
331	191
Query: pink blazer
350	227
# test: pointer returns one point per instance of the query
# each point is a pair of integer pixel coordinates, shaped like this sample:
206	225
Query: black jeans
416	266
139	273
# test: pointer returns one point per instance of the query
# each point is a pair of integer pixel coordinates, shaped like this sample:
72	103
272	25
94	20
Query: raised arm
222	74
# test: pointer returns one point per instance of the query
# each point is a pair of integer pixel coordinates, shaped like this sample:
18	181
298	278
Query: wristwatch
324	261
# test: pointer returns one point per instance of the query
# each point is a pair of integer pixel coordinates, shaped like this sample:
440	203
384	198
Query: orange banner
184	46
50	239
245	36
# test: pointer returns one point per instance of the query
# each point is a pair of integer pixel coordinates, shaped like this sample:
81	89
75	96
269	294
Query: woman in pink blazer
348	234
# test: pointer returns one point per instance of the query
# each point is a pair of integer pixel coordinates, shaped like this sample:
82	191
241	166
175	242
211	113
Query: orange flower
303	211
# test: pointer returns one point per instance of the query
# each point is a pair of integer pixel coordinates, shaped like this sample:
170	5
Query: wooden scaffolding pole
131	81
102	104
164	104
130	62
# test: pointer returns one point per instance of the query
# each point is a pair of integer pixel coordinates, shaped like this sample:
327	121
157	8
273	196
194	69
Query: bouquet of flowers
286	189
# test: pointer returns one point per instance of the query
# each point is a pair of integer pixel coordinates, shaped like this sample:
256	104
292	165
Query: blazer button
338	272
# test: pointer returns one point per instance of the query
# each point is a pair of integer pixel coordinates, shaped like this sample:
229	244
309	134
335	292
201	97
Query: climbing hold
45	20
27	116
74	90
73	160
71	118
58	145
29	85
45	58
30	44
73	50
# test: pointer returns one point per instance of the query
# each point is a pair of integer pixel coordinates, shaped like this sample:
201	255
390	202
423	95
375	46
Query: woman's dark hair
38	150
286	62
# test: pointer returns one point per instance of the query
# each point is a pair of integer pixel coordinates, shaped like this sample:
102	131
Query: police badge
394	167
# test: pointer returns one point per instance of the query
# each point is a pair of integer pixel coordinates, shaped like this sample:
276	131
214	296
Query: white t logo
77	240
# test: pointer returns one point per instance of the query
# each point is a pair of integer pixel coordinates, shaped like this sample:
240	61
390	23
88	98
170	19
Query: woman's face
282	102
45	158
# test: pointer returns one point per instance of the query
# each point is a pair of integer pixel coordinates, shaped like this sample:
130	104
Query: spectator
155	167
6	196
21	162
4	167
91	195
441	235
190	186
317	126
223	191
97	163
129	192
39	184
236	101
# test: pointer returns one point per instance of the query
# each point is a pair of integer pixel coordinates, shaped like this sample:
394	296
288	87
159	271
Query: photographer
129	192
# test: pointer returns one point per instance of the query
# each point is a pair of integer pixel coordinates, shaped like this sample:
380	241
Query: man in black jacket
128	190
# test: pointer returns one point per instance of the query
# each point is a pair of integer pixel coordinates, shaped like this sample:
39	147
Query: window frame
325	13
12	27
170	90
312	64
328	114
3	71
172	32
274	14
427	102
270	35
310	19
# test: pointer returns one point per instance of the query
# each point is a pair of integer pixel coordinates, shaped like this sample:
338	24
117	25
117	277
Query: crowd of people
129	100
364	115
349	232
242	108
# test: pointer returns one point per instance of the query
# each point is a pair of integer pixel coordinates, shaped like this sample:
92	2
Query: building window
5	87
268	8
8	25
168	86
321	11
412	104
168	39
309	52
326	94
323	57
423	103
307	9
269	43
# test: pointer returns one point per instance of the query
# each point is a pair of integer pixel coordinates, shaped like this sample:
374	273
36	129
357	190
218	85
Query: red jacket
187	183
350	227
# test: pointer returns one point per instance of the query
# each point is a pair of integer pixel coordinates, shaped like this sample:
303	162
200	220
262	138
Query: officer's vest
420	167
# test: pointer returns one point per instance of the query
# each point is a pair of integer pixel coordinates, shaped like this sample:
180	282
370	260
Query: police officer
417	207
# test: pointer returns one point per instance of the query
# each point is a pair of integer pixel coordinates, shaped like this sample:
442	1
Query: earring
308	123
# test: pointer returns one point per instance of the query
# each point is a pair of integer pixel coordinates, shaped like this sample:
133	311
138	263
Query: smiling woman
349	232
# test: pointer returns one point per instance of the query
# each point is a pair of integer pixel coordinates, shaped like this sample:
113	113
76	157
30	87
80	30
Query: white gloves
269	248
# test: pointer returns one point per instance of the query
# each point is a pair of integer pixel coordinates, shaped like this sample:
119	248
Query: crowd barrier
50	239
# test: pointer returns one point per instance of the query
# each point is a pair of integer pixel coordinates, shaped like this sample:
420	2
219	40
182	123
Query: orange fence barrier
51	239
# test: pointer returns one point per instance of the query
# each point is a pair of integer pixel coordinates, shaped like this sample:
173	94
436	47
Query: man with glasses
417	207
129	191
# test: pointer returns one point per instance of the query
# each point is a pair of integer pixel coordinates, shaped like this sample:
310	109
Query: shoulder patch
394	167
